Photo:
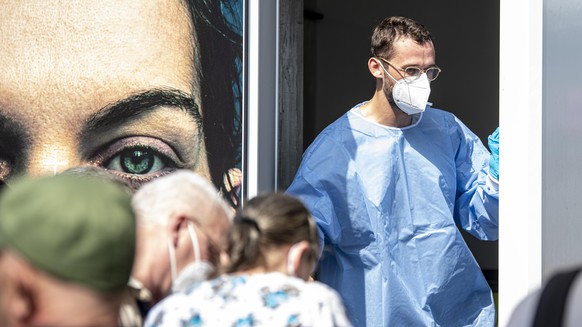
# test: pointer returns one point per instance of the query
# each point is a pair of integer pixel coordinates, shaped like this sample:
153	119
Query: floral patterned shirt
271	299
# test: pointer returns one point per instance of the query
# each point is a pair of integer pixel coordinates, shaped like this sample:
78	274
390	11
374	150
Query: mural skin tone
112	84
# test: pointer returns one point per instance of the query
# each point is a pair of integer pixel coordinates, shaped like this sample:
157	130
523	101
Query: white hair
180	193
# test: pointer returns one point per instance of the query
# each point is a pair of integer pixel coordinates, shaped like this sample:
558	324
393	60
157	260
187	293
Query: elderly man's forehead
210	211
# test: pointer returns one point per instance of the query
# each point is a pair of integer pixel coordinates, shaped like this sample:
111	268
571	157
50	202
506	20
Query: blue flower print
247	321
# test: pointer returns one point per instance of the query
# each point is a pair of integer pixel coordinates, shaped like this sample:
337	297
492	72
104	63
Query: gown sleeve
317	183
477	196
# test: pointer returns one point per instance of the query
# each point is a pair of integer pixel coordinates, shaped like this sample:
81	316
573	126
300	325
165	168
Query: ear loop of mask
404	82
195	243
389	96
384	69
291	258
172	251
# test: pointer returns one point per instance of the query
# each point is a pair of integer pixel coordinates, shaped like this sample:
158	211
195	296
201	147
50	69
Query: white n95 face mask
194	272
411	96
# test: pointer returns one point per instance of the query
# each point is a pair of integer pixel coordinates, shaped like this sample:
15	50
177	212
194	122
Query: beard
387	88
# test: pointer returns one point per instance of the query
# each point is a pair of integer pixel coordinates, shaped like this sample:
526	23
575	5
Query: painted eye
138	161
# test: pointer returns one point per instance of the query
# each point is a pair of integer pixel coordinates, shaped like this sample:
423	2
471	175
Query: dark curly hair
391	29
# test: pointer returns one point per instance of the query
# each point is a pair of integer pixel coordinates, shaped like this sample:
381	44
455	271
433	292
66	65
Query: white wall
520	155
540	114
562	135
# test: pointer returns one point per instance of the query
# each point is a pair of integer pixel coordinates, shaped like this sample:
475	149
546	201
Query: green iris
137	161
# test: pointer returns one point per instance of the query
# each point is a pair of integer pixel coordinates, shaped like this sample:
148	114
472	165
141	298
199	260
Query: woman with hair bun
273	248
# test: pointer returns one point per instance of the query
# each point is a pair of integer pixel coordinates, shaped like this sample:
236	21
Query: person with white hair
272	250
182	224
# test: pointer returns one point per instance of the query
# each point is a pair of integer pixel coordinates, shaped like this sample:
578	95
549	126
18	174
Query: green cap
77	229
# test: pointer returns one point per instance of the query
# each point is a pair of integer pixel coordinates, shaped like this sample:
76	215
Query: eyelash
166	156
112	155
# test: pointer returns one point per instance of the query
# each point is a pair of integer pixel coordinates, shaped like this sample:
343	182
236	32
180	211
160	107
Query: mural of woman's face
109	83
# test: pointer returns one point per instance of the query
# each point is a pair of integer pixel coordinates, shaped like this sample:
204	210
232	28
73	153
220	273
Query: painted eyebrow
129	108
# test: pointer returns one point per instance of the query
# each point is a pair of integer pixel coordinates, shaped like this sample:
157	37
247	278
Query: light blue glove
493	142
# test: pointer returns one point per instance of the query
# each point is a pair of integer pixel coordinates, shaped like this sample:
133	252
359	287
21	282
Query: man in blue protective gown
389	182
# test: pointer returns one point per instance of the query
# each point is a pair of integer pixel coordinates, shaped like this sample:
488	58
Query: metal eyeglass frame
418	69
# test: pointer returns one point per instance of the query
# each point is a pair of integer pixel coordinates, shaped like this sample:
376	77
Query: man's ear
21	303
375	67
176	225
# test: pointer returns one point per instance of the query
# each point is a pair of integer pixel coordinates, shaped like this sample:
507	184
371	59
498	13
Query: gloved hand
493	142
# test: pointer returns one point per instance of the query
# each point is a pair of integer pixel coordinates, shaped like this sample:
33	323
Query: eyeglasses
414	72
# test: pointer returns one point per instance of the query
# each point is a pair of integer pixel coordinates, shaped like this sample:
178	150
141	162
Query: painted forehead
65	45
61	63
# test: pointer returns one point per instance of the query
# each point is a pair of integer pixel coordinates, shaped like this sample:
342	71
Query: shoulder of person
436	112
444	119
330	138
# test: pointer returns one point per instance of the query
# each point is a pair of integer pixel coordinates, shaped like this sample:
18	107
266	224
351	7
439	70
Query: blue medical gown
387	201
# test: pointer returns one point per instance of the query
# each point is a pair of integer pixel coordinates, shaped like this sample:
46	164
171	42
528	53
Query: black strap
144	307
552	304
